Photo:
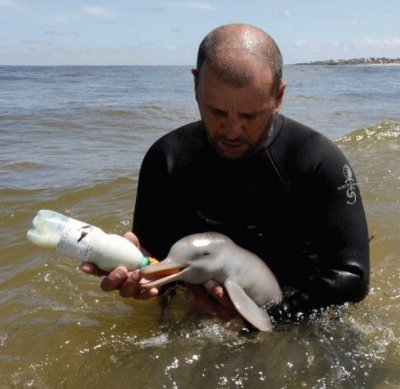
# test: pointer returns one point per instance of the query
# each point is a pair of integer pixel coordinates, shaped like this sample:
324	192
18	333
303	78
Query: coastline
356	61
378	64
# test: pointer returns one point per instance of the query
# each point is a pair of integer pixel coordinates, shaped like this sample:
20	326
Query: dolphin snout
161	273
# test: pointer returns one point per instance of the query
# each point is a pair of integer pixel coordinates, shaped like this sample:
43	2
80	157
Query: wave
25	165
14	78
303	97
374	153
67	194
383	133
139	112
107	204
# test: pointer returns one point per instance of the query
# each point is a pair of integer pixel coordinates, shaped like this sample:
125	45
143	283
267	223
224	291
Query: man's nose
233	127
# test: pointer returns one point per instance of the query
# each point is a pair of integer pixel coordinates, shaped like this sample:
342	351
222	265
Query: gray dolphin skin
200	257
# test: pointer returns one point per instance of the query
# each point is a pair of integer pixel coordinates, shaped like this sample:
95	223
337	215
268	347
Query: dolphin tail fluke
255	315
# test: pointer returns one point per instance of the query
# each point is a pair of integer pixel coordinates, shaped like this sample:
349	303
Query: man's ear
279	95
195	73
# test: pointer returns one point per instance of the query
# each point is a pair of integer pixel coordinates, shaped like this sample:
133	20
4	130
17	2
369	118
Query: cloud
157	9
372	43
12	4
196	5
364	43
204	6
287	12
366	47
51	33
95	10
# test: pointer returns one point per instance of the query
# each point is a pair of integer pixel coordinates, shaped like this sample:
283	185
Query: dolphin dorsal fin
255	315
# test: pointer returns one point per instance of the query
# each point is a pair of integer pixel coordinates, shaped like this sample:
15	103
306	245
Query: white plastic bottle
84	242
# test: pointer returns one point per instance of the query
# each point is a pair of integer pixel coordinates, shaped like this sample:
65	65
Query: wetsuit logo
349	185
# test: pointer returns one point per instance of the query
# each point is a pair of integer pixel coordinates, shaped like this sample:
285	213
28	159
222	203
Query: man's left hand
213	298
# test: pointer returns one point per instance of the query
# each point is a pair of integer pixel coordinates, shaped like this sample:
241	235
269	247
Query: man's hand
214	299
129	283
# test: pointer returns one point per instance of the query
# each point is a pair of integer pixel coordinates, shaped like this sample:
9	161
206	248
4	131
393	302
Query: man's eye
247	116
218	112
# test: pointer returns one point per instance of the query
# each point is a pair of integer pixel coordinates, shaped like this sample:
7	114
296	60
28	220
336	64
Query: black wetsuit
295	203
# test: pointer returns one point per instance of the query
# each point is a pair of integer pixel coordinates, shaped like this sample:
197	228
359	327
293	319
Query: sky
168	32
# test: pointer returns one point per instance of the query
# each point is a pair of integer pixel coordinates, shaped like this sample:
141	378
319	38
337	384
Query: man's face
237	119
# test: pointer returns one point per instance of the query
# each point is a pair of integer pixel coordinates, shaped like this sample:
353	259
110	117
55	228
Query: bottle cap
146	261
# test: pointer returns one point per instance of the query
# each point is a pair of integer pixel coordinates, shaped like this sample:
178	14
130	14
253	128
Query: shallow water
78	152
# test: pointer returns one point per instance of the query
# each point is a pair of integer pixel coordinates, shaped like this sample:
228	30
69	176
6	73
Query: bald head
228	49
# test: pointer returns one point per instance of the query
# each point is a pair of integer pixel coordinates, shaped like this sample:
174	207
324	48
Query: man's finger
224	307
91	268
131	286
145	294
115	279
216	290
202	298
132	238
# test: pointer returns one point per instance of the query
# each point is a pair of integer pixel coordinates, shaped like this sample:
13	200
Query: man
274	186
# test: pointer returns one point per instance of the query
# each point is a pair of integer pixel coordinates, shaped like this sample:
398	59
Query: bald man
273	185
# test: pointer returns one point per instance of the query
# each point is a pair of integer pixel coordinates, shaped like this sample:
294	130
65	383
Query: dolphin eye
201	254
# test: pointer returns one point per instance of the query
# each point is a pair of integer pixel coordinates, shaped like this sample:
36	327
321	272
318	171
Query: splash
388	133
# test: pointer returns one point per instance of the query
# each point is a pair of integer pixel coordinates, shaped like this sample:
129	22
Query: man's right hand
129	283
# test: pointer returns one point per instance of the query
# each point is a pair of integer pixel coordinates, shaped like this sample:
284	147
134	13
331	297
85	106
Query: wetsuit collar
275	130
271	135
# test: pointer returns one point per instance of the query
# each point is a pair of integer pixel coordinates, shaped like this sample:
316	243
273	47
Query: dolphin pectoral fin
255	315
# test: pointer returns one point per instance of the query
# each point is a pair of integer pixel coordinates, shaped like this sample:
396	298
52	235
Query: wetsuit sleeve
163	205
339	237
153	221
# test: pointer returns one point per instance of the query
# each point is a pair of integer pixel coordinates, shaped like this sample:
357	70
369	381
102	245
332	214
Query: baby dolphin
200	257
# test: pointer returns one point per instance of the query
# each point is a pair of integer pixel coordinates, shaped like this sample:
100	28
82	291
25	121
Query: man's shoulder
187	137
292	131
299	139
178	148
299	151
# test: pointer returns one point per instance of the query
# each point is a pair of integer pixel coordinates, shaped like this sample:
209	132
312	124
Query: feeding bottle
84	242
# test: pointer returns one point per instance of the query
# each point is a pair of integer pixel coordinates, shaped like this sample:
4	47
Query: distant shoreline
355	61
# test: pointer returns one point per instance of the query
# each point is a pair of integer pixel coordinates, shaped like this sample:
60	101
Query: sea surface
72	140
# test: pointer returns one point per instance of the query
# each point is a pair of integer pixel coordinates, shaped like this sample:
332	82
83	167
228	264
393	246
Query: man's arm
339	238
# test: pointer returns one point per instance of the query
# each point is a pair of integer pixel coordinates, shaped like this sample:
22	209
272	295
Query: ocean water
72	139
